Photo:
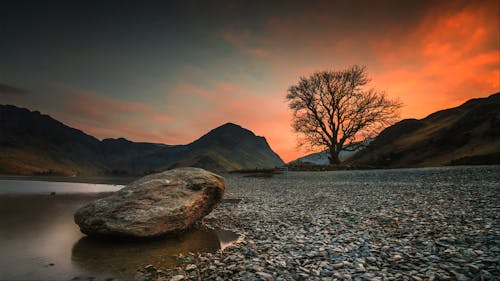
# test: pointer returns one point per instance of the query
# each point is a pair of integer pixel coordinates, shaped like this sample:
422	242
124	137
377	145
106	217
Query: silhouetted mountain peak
33	126
228	134
231	128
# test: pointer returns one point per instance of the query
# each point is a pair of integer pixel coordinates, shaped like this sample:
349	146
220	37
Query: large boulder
159	204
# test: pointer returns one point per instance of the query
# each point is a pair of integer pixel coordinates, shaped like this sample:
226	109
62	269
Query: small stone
177	278
472	267
266	276
338	265
325	273
304	269
485	274
360	267
281	263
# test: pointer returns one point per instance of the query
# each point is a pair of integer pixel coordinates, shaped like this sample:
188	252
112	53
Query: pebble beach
403	224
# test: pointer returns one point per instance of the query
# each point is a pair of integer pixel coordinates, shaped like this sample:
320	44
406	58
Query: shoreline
110	180
294	227
123	180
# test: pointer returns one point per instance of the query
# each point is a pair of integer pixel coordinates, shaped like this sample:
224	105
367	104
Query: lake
40	241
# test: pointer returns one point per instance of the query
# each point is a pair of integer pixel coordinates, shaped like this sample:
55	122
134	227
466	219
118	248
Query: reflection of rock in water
121	259
226	237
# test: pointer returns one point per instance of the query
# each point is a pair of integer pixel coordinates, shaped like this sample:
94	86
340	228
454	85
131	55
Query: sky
170	71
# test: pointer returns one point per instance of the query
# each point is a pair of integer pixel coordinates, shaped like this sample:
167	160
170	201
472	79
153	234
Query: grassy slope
470	131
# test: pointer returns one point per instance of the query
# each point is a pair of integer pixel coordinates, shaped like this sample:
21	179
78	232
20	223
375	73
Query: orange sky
444	59
432	55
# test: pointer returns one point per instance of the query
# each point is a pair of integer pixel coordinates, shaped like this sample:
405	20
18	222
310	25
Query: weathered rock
159	204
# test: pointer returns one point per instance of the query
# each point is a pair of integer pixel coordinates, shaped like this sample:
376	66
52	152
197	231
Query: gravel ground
408	224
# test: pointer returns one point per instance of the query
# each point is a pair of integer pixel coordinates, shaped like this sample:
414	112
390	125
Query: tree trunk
334	157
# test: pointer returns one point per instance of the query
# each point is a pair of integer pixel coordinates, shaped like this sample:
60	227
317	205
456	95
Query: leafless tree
334	110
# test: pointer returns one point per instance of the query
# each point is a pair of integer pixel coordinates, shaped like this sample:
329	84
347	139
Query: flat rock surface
159	204
406	224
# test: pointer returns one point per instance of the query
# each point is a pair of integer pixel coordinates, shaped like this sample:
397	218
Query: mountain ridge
36	143
466	134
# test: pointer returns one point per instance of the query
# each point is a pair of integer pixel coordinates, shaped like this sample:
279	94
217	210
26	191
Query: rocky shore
413	224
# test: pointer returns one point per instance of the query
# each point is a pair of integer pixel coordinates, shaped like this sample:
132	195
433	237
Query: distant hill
35	144
467	134
321	158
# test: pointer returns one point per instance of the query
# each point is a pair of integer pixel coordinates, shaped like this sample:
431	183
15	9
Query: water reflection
226	238
40	241
121	259
47	187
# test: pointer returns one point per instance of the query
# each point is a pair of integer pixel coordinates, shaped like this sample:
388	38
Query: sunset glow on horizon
169	73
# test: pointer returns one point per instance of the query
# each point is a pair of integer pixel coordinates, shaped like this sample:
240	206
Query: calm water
46	187
39	240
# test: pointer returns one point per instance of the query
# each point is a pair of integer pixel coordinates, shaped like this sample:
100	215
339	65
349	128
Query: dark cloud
9	90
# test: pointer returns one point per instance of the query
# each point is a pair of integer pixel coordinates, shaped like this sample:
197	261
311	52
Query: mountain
467	134
34	143
229	147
